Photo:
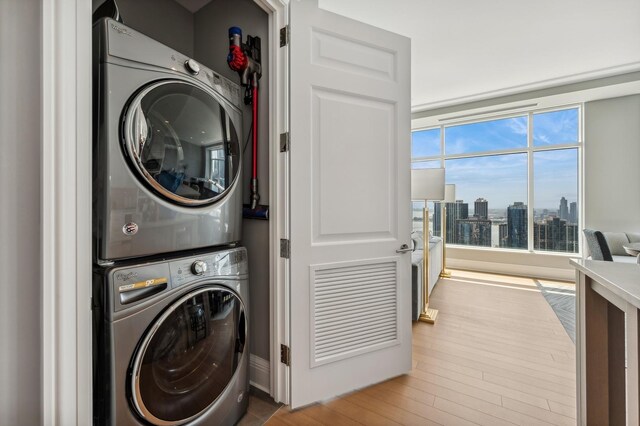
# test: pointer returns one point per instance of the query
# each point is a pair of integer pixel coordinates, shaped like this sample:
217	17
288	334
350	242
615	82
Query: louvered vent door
354	309
349	165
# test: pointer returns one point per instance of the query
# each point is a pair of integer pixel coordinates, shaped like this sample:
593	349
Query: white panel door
349	205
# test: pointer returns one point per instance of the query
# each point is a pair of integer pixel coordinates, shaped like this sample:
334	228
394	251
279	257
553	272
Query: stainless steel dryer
167	153
170	339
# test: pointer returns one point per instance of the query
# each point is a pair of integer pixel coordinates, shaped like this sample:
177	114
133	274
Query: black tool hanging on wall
244	58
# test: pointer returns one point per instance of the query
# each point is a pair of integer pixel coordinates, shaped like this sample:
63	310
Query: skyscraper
481	208
555	234
563	211
502	235
455	211
473	232
573	212
517	225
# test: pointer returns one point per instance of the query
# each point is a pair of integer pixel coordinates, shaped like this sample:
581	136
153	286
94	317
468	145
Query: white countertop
622	279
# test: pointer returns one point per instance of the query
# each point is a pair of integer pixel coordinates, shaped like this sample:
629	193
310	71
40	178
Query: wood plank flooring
497	355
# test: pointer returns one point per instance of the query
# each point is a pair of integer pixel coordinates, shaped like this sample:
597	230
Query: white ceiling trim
543	84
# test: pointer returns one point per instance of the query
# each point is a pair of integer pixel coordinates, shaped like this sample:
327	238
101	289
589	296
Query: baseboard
260	373
513	269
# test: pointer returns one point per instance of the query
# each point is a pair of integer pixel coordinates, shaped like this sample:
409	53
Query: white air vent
354	307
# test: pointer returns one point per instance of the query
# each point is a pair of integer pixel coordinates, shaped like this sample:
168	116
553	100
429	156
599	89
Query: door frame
65	225
278	12
65	221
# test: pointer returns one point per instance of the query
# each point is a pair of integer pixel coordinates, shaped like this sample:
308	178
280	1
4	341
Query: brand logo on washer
124	276
130	228
121	30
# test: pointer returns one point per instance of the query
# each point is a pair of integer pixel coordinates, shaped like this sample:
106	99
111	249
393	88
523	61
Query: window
216	166
494	135
517	180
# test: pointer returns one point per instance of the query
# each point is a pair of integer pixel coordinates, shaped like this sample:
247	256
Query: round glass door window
189	356
182	142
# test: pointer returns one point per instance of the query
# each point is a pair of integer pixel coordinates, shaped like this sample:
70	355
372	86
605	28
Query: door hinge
285	248
285	355
284	36
284	142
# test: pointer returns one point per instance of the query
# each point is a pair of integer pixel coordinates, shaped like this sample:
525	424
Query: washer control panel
137	284
227	263
199	267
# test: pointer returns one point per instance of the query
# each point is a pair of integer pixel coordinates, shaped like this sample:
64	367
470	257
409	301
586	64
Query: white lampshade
449	193
427	184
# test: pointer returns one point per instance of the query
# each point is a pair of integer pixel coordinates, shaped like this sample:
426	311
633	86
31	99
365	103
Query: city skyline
553	229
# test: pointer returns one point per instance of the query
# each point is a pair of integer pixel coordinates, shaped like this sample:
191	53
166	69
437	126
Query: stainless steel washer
167	155
170	339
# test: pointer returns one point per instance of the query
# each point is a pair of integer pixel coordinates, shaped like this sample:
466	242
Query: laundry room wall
211	40
163	20
20	301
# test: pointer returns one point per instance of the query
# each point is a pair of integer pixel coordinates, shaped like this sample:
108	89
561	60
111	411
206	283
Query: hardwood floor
497	355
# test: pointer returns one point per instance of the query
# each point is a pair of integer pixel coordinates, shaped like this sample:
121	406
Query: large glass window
494	135
516	178
555	204
555	127
486	187
425	143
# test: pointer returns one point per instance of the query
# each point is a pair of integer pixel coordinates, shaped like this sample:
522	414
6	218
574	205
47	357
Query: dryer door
181	142
188	356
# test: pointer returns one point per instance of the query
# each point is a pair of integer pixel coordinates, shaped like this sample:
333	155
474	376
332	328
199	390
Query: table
607	345
632	249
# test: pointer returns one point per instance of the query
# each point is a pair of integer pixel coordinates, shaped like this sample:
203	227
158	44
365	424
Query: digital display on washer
182	142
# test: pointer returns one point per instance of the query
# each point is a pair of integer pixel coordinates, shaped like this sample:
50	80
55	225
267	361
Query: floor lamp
449	197
427	185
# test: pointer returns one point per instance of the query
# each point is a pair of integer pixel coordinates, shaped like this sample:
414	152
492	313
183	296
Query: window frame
529	150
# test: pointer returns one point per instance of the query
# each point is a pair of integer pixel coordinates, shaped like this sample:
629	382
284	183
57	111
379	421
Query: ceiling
467	50
193	5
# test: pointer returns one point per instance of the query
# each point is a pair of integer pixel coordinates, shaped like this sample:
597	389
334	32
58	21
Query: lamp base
429	316
445	274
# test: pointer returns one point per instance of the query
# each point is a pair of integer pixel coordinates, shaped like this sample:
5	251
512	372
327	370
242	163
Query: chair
598	246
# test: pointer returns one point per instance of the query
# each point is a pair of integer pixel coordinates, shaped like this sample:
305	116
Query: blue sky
502	179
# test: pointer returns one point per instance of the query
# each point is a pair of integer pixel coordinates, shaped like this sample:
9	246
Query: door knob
404	248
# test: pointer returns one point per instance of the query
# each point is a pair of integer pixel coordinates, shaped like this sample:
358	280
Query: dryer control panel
124	44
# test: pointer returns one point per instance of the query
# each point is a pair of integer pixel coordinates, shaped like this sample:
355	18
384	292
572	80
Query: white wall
20	301
211	40
612	164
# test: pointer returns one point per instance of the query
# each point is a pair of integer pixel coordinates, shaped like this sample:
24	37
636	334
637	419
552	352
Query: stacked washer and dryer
170	292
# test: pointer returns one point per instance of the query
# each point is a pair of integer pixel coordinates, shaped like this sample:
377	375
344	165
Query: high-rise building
473	232
502	234
481	208
455	211
517	226
573	212
563	211
555	234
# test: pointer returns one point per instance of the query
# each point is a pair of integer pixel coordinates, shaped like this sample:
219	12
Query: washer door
181	142
189	356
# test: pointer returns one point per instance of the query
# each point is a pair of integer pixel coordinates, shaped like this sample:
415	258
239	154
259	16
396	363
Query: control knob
192	66
199	267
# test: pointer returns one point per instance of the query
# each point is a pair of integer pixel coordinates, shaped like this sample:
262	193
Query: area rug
562	299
